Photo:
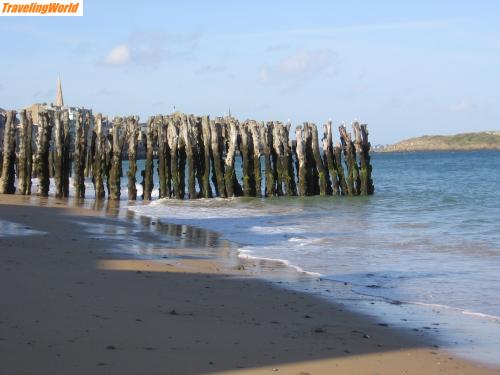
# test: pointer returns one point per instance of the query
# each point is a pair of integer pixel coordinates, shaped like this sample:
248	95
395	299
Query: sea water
424	250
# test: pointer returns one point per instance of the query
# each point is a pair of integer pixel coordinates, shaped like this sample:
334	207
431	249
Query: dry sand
69	306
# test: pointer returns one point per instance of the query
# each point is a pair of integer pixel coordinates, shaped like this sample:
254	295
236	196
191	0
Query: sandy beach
71	306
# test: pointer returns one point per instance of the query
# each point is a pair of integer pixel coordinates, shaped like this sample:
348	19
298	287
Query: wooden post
254	128
8	177
207	140
187	134
328	156
161	128
278	157
217	146
229	175
181	169
58	153
312	172
322	173
23	175
80	153
363	147
29	153
350	159
133	134
118	137
246	150
267	142
173	141
66	155
302	168
337	161
108	156
42	152
287	161
148	177
98	159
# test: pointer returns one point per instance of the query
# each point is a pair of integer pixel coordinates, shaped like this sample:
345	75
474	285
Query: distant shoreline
480	141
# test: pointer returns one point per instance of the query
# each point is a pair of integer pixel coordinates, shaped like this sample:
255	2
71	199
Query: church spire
59	96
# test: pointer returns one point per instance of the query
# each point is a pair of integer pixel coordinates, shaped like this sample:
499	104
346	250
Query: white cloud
119	55
301	66
151	48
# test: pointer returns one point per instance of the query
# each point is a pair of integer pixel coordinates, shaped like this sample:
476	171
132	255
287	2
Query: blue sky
405	68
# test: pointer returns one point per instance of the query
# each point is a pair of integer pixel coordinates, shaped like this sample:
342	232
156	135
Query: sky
404	68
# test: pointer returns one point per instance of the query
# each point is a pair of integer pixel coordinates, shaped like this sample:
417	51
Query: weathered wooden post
217	146
322	173
58	153
246	151
328	156
108	156
230	175
161	128
133	134
79	157
254	128
363	148
206	136
350	159
42	152
118	137
302	169
24	162
98	158
266	135
8	177
187	134
66	156
148	177
181	150
278	156
173	140
287	161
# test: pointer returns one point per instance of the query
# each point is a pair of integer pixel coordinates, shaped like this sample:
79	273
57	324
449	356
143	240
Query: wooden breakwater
192	156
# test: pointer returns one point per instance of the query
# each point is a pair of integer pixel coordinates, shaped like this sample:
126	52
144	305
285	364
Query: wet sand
70	306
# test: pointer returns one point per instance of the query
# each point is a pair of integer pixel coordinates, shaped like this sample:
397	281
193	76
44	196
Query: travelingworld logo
16	8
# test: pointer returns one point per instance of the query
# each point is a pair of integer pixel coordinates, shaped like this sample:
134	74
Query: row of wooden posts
195	156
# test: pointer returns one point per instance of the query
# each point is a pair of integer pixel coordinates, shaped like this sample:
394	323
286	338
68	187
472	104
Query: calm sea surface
423	251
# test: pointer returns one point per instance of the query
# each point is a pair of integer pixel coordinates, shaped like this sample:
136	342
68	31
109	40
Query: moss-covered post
23	164
98	159
254	128
207	140
173	141
7	180
278	153
363	148
133	135
246	151
161	127
217	152
187	135
287	161
118	136
29	153
301	158
322	172
148	177
350	159
328	156
58	153
267	141
66	155
42	152
79	155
